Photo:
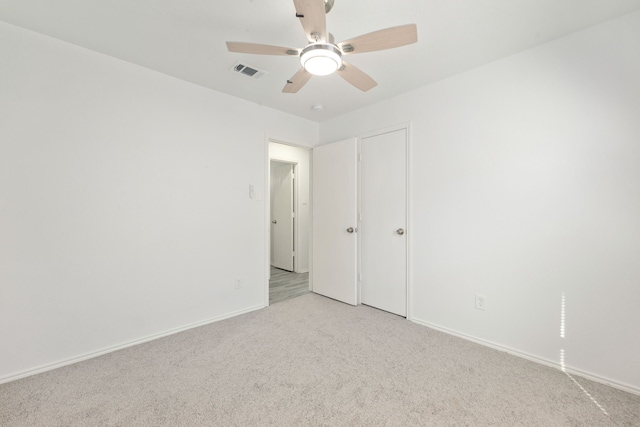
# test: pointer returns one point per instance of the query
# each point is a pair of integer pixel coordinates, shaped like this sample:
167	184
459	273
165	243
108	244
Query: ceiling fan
322	56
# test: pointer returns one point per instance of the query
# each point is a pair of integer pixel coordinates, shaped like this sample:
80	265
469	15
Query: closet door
383	226
334	269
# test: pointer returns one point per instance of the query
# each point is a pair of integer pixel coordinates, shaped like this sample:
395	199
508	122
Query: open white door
334	272
282	215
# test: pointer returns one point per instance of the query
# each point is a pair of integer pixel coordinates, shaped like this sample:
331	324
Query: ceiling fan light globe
321	65
321	59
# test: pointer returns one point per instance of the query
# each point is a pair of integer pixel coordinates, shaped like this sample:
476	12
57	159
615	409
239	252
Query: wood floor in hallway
284	285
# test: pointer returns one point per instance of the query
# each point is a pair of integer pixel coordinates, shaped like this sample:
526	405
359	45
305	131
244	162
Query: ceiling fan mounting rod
328	4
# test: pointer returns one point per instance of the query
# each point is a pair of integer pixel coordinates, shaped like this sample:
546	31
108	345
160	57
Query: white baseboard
621	386
72	360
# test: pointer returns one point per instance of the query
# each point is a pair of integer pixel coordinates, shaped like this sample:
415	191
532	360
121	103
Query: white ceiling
186	39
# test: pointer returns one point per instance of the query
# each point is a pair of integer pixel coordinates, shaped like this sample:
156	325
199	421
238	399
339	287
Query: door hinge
359	157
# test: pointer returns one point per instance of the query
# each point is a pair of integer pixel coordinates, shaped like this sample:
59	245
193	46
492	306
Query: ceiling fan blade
356	77
381	39
295	83
261	49
312	17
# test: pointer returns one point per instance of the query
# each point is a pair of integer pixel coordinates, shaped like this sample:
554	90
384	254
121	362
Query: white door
282	215
383	238
334	245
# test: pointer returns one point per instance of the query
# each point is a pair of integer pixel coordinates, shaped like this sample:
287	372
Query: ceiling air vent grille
248	71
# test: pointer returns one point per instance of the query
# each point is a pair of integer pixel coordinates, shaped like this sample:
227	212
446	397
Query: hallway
284	285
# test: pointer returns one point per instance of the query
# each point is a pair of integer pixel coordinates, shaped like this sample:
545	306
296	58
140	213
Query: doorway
289	221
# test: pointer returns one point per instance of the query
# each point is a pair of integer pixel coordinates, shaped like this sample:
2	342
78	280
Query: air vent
248	71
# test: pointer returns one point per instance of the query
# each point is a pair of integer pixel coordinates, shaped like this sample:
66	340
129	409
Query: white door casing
282	211
383	221
334	183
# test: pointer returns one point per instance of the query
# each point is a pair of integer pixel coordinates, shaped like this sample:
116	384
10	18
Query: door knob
273	221
350	230
400	231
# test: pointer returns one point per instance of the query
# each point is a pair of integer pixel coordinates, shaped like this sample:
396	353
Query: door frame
267	209
406	126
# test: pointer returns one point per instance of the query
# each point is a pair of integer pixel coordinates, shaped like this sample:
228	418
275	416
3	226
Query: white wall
124	202
301	157
526	187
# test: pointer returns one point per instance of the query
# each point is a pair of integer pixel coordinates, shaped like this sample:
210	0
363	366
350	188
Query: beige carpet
311	361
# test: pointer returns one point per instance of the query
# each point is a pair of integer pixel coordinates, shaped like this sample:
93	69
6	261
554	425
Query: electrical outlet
238	283
481	302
